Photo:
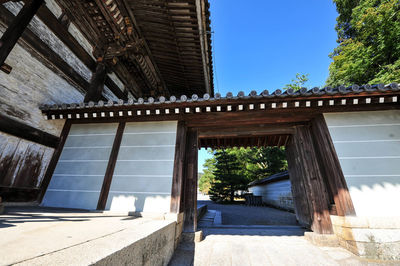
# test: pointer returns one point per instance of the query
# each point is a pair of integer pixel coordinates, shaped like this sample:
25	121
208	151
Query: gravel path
238	214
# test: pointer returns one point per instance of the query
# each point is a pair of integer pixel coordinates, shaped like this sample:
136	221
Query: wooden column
96	83
105	189
179	167
17	27
301	204
303	163
330	167
190	182
54	159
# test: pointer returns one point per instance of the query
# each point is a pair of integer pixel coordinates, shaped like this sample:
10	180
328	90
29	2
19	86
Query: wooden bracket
6	68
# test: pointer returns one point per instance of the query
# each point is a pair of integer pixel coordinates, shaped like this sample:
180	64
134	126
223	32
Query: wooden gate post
190	182
303	164
179	169
330	167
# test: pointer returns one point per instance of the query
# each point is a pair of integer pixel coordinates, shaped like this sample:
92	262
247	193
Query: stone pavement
253	246
238	214
256	236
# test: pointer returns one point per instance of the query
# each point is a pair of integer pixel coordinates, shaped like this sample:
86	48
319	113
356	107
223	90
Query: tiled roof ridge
303	92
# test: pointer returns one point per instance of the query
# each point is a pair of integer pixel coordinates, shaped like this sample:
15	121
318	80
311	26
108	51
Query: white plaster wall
368	147
79	175
142	177
277	193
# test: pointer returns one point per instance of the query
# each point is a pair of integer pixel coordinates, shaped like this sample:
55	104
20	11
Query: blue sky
262	44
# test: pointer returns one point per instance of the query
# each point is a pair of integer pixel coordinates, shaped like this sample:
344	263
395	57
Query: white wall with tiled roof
368	147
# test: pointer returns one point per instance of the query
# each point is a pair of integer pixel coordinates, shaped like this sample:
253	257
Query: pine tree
227	178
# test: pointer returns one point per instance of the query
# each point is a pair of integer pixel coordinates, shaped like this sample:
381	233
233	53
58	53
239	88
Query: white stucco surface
79	175
142	177
278	193
368	147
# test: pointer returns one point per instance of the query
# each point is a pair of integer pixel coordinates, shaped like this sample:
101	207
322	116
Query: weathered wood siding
30	84
22	163
368	147
79	175
278	194
142	177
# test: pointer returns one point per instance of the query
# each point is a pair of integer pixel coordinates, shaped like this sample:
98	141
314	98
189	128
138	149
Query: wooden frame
54	160
105	189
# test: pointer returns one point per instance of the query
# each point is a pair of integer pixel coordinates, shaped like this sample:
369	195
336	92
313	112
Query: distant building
275	190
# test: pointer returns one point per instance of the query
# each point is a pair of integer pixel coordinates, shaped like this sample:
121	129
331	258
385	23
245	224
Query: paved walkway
251	236
260	246
237	214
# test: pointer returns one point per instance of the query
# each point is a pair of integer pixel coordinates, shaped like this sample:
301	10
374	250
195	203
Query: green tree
227	178
298	82
268	161
208	175
369	43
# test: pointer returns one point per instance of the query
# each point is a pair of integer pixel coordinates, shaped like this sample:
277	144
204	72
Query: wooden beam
17	27
241	131
45	54
179	167
13	194
54	160
190	183
154	69
61	31
330	167
105	189
304	165
96	84
23	131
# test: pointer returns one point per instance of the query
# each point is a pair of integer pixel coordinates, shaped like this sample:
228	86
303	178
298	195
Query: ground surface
256	236
239	214
46	236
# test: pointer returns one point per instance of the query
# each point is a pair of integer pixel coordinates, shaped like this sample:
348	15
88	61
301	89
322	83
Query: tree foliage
227	179
231	170
369	43
298	82
208	175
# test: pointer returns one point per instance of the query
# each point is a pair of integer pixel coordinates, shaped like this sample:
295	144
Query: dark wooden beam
17	27
241	131
45	54
21	130
13	194
105	189
96	84
300	199
179	167
330	167
54	160
155	70
190	182
304	167
61	31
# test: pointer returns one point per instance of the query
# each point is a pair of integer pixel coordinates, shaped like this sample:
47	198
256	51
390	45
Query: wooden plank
17	27
315	190
105	189
54	160
179	167
21	130
300	199
190	182
330	167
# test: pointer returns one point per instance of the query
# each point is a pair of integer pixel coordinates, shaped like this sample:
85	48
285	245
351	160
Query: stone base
369	237
192	237
322	240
